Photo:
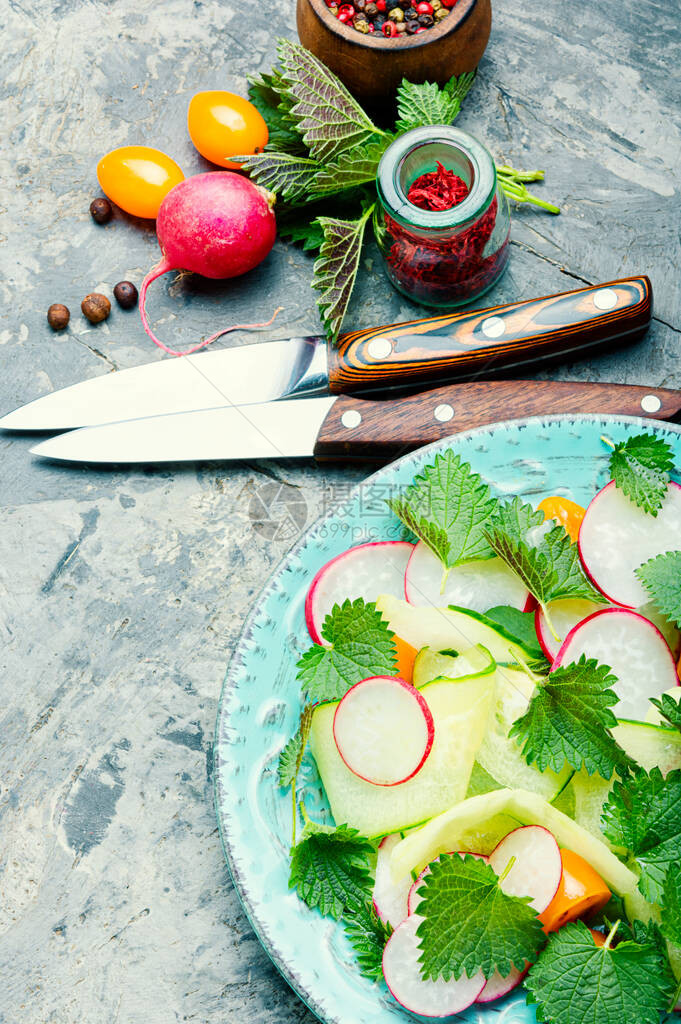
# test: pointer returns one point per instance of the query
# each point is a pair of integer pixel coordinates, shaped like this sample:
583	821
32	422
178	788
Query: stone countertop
122	593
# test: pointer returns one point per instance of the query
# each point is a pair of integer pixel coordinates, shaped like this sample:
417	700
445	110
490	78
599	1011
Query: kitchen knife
348	427
449	346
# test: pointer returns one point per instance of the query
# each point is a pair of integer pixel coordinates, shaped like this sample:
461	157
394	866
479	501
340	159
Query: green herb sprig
324	147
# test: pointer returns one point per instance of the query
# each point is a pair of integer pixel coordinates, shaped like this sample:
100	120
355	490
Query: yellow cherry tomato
581	891
566	513
138	178
222	125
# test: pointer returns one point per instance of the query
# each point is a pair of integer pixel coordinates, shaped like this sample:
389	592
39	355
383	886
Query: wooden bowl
372	66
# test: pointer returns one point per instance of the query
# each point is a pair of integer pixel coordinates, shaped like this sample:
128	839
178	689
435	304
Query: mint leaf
352	167
290	176
576	982
643	815
447	507
569	718
291	757
669	709
368	936
640	467
359	645
330	869
661	576
328	118
469	924
335	269
419	105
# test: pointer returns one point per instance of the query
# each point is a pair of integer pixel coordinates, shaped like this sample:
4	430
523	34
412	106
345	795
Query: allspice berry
101	210
95	307
58	316
125	294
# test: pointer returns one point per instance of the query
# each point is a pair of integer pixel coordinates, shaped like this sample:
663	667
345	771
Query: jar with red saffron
443	222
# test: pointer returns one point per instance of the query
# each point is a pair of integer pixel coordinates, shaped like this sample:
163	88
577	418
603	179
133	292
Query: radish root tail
162	268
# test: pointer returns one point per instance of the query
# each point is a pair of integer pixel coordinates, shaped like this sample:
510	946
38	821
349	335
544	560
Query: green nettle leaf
290	176
359	645
310	233
643	815
577	982
564	557
335	270
368	936
671	906
267	93
328	118
469	924
330	869
532	566
669	708
291	756
447	506
661	576
521	626
640	467
461	86
569	718
356	166
419	105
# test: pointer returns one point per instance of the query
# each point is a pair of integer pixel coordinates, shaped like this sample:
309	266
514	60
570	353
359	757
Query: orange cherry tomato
223	125
598	937
581	891
566	513
406	655
138	178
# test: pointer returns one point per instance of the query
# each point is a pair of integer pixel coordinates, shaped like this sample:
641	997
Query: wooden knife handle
359	428
463	346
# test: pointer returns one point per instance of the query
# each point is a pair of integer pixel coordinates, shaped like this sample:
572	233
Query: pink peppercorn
424	8
389	29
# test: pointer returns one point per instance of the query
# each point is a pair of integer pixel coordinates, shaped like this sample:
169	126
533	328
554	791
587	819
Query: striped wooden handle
465	346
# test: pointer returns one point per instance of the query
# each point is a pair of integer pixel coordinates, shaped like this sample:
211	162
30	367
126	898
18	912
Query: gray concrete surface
122	594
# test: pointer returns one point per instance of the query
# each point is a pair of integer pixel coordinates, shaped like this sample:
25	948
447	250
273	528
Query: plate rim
277	958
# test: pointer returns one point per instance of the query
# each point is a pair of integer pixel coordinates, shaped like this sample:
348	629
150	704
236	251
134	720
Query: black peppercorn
412	26
101	210
426	20
125	294
371	10
410	13
379	21
392	4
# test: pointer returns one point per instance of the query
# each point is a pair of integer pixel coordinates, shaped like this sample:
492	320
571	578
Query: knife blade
347	427
451	346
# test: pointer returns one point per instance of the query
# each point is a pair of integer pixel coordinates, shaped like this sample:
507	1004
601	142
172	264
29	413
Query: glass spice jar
441	258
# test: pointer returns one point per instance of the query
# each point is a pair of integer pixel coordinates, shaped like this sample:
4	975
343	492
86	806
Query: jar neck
418	152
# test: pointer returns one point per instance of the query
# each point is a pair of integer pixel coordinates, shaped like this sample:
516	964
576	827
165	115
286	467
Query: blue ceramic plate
260	700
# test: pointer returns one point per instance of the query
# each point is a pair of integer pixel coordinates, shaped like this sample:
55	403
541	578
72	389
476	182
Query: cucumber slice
444	628
651	746
460	710
500	756
429	665
446	830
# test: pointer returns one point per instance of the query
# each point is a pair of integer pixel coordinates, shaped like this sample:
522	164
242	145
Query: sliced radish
367	571
635	650
390	898
616	537
402	973
383	730
564	615
536	867
414	897
476	585
497	986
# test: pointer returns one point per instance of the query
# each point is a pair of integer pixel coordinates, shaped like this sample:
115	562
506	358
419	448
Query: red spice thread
443	269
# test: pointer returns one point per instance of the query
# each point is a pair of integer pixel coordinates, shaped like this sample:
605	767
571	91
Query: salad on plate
493	709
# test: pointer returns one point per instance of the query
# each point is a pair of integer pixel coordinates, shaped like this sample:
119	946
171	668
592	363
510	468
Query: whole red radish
218	225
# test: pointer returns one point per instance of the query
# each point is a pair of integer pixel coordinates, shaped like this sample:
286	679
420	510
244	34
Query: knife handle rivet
351	419
651	403
493	327
443	413
379	348
605	299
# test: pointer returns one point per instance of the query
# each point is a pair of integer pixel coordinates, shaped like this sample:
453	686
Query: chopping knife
451	346
348	426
